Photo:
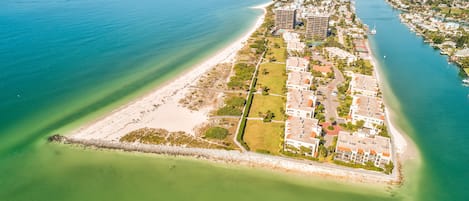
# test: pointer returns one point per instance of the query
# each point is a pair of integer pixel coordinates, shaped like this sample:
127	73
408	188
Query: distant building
367	109
341	54
462	53
297	64
285	18
316	26
358	149
451	26
300	103
291	37
364	85
300	134
295	46
299	80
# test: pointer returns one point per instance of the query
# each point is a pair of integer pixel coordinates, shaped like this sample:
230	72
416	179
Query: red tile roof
313	134
310	103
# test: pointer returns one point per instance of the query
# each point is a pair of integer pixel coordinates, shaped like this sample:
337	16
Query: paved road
271	94
331	102
261	119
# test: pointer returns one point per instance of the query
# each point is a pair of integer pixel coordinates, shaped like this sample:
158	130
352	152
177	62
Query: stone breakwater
250	159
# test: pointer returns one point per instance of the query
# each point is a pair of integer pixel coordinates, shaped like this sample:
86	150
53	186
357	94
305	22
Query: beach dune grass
261	104
264	137
217	133
273	76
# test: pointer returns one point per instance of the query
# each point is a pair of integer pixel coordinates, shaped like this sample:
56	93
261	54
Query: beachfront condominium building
293	42
300	135
367	109
299	80
291	37
285	18
316	26
359	149
295	46
364	85
297	64
341	54
300	103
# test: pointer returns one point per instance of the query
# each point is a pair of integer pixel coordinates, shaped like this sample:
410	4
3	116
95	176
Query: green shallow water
64	173
66	63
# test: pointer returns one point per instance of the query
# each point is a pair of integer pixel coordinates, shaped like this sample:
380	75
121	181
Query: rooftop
364	82
340	52
300	99
289	36
295	45
368	106
373	145
301	129
300	78
297	62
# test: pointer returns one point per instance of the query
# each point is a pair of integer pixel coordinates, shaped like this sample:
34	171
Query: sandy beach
161	108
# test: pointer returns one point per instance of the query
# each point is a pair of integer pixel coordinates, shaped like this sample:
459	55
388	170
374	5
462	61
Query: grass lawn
263	103
467	71
273	76
278	53
264	137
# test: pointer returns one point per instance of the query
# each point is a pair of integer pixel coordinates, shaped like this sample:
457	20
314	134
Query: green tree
461	41
438	39
360	124
268	116
388	168
322	151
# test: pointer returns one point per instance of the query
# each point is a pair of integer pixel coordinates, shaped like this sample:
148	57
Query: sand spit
245	159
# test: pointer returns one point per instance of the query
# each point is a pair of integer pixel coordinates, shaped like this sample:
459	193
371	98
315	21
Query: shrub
236	102
229	111
216	133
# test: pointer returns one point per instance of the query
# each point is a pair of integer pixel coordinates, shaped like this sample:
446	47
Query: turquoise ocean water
63	63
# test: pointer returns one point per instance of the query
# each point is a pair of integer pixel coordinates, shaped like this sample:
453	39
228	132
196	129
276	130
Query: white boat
373	31
465	81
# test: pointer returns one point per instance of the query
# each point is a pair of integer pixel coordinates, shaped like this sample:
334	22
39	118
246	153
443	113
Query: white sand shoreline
160	108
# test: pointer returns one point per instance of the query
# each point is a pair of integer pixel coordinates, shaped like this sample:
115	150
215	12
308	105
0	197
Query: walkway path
262	119
270	94
245	109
